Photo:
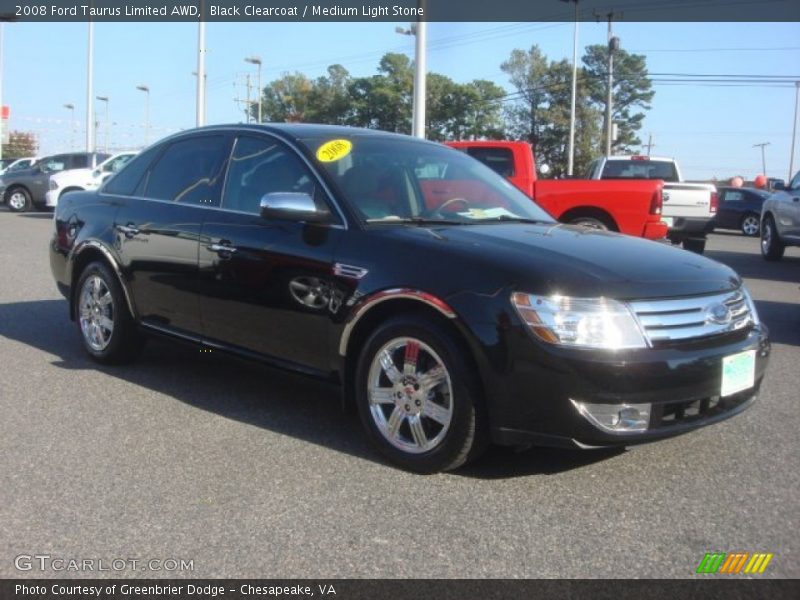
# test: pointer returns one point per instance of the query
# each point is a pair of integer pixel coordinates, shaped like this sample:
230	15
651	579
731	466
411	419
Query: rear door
267	286
158	228
731	203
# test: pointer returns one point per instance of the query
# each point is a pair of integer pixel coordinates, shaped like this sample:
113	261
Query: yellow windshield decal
334	150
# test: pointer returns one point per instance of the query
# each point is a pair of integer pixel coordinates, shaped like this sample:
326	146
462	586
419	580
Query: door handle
129	230
221	248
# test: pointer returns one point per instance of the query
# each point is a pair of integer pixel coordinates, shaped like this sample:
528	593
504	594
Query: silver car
780	220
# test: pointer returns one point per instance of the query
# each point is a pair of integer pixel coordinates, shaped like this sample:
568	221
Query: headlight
53	184
579	322
751	305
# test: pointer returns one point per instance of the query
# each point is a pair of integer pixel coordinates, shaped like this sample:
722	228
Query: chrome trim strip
107	253
167	331
392	294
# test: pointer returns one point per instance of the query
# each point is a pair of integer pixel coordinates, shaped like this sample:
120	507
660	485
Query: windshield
389	180
640	169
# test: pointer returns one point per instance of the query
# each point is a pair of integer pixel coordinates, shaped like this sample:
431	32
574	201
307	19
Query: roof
300	131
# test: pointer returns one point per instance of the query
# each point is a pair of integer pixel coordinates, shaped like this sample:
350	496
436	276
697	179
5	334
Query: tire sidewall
462	434
774	249
591	223
758	224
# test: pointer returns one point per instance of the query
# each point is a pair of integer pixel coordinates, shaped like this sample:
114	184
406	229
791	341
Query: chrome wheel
410	395
750	225
96	313
17	201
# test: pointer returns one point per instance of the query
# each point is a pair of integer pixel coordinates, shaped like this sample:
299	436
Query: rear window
499	160
639	169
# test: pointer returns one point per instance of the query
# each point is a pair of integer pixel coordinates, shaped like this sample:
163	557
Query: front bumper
680	382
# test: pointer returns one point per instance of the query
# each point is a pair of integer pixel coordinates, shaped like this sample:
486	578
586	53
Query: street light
108	123
420	31
90	132
571	149
71	107
146	90
205	93
256	60
200	117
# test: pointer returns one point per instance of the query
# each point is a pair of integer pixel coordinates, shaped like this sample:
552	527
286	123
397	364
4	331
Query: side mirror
292	206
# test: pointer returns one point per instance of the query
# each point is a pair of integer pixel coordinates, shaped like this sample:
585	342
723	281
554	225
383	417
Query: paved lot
250	472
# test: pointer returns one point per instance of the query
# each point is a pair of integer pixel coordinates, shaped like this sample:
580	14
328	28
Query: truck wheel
771	246
696	245
107	328
418	400
19	200
591	222
750	225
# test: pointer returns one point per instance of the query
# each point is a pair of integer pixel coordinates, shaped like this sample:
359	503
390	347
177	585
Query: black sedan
449	307
740	208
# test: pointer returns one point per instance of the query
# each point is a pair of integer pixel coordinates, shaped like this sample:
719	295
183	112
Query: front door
267	286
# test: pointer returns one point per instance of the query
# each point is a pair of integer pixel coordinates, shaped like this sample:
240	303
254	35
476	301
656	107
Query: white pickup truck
688	207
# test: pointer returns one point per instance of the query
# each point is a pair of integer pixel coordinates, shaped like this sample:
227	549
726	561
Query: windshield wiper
512	219
419	221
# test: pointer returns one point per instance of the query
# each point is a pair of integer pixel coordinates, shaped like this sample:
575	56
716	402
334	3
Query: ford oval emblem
718	313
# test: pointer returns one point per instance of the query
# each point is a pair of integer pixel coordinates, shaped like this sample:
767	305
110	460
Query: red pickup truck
631	207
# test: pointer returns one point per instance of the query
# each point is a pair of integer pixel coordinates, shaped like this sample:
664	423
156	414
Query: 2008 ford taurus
451	309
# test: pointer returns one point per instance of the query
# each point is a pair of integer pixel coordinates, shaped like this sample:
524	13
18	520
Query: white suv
76	180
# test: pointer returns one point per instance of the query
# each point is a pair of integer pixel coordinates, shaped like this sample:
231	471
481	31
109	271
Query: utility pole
108	121
256	60
650	143
794	129
247	83
200	117
419	30
613	45
762	145
146	90
71	108
90	134
571	149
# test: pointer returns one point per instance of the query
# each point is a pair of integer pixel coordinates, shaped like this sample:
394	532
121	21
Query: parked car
15	164
449	320
75	180
740	208
688	207
25	189
631	207
780	220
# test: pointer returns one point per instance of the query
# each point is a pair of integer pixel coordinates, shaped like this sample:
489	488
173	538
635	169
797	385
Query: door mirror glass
291	206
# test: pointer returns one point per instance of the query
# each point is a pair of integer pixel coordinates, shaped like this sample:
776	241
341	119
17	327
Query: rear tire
750	225
19	200
771	246
696	245
108	331
418	399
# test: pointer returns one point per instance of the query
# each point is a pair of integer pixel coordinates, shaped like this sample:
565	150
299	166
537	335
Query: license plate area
738	372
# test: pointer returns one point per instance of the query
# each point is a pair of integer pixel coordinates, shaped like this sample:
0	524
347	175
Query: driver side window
261	166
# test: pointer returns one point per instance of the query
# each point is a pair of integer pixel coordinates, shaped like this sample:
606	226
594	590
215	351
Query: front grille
692	318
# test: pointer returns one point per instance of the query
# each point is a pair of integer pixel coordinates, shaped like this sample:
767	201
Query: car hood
557	258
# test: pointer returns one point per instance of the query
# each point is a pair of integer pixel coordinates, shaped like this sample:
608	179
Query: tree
287	100
632	91
527	71
20	144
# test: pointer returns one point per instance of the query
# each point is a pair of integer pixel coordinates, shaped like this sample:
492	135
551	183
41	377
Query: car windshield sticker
334	150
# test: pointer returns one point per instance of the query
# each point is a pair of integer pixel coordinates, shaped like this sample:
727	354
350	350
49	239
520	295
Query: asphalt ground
249	472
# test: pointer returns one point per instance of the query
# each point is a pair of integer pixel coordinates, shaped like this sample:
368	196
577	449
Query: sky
709	129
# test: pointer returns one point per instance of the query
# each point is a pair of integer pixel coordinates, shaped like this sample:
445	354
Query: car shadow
37	215
753	266
248	392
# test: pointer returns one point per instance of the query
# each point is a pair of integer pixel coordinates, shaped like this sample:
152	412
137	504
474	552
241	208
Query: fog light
615	418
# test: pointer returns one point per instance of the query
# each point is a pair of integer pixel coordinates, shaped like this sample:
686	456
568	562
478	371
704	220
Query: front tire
591	222
107	329
418	400
750	225
771	246
19	200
